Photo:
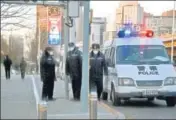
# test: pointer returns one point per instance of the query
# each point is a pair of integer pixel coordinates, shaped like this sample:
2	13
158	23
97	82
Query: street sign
54	25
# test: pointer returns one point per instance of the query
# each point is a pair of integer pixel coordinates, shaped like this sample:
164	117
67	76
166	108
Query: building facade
168	13
129	12
98	26
159	24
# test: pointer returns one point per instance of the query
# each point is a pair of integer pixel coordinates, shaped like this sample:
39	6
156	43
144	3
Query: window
147	54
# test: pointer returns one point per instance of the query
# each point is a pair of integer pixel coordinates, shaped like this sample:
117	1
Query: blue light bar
127	31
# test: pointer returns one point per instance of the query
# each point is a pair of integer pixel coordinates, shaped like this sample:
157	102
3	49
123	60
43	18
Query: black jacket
74	63
47	67
97	65
7	63
23	65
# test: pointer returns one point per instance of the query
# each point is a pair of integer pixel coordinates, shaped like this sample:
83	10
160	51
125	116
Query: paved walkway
69	109
17	98
2	71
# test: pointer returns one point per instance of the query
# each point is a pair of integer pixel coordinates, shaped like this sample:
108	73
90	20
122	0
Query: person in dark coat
7	65
97	66
23	65
47	72
74	69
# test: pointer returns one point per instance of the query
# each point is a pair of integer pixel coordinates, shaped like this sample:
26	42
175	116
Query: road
141	109
17	98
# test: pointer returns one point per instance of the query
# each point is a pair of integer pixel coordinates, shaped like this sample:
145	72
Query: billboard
54	25
48	16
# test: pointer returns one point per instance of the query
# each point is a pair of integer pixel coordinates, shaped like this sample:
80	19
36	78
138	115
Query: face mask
95	51
50	52
71	48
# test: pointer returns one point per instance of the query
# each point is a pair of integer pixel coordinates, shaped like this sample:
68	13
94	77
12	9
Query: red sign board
55	24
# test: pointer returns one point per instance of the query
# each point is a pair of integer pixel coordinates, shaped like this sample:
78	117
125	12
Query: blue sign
54	39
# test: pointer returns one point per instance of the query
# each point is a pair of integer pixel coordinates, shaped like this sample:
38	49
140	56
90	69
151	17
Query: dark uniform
47	72
97	65
7	65
74	69
23	65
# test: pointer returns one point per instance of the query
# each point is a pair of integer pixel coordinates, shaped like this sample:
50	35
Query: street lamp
173	30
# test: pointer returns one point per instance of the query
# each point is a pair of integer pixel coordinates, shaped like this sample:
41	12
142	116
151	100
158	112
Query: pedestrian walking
74	69
47	72
97	66
23	65
7	65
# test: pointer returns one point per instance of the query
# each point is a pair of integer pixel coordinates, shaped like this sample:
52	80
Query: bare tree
16	48
4	46
43	40
16	15
33	48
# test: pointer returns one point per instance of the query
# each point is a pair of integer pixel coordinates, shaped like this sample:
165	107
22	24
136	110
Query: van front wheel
115	100
171	101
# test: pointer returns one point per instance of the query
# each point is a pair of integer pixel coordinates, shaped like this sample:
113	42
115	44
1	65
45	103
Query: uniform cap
95	46
71	44
48	48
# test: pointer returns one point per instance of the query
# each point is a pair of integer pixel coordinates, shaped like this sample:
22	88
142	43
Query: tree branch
13	13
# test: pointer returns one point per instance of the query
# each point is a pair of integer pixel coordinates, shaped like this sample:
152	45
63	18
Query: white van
139	67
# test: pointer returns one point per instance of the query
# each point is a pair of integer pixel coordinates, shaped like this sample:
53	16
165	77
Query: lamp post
173	30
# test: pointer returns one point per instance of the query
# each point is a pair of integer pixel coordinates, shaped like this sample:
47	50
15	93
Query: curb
114	112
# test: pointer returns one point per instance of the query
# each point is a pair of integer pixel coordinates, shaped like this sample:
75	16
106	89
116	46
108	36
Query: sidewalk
2	71
17	98
69	109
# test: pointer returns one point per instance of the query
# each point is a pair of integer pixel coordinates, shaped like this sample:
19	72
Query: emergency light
147	33
128	31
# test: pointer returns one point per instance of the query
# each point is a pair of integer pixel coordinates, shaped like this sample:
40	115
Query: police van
139	67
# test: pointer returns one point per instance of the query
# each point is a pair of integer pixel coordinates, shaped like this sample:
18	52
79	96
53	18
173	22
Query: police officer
74	69
7	64
47	72
23	65
97	66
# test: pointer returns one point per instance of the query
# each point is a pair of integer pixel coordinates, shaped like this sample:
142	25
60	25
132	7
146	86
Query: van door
106	82
111	67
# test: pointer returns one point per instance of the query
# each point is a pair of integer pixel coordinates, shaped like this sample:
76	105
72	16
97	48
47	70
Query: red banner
55	24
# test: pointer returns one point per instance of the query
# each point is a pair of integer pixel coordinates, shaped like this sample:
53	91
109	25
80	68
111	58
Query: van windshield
142	54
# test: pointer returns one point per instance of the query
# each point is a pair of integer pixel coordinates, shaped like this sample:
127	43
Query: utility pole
66	39
85	70
38	51
173	31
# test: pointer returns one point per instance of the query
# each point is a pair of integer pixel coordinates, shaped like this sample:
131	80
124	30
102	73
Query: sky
107	8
